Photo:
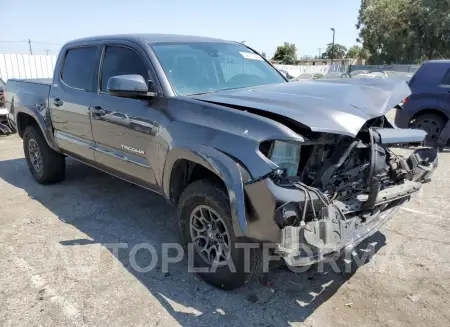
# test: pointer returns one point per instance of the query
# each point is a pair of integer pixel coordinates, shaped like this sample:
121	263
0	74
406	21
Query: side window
446	80
77	67
121	61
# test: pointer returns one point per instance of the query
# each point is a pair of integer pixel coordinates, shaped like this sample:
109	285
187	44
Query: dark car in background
428	106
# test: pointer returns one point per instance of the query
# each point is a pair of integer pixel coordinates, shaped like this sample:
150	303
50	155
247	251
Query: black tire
433	124
206	193
52	165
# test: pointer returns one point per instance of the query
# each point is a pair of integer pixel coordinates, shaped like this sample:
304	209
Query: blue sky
262	24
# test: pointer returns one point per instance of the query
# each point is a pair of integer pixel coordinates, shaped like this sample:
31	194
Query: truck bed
44	81
26	93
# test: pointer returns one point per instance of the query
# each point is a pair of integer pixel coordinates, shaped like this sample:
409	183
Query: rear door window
77	69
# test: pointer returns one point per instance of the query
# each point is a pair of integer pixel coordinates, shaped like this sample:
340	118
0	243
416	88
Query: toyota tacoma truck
246	157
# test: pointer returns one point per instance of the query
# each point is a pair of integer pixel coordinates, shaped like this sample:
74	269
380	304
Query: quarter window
121	61
77	69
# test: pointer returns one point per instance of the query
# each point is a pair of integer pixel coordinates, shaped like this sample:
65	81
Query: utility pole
332	47
320	53
29	46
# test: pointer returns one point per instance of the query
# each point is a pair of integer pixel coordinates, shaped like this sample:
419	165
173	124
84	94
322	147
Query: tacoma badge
129	148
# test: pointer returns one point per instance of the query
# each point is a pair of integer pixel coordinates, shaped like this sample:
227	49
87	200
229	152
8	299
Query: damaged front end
333	191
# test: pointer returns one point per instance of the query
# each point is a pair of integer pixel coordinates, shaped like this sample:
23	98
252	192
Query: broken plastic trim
277	173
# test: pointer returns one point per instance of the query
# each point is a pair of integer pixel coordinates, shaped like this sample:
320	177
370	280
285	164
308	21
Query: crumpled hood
333	106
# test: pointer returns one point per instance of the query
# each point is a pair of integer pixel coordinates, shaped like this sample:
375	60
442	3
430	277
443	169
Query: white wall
26	66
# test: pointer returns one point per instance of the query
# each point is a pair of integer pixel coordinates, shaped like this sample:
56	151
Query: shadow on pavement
111	211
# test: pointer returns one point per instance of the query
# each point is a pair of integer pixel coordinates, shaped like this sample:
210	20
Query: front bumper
345	235
272	207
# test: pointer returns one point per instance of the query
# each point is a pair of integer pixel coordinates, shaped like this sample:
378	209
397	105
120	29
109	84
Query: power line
29	46
38	42
48	43
13	41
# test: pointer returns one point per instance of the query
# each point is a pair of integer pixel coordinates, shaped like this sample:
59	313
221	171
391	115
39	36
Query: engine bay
356	176
347	168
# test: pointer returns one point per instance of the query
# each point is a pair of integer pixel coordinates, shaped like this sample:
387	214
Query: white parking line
69	309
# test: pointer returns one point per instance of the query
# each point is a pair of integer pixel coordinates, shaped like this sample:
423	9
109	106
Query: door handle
97	111
57	102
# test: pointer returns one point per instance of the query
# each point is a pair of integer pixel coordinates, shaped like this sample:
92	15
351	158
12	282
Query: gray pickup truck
247	158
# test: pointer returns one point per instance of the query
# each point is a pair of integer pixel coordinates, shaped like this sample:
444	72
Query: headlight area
286	155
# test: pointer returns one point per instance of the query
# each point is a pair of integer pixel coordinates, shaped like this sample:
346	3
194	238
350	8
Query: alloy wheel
35	156
210	235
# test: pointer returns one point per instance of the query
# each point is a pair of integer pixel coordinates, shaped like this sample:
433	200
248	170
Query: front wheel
206	228
46	165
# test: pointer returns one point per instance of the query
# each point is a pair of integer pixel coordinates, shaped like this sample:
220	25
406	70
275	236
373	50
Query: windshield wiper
226	89
200	93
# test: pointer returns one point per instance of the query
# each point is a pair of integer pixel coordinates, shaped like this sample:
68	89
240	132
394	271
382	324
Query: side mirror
129	86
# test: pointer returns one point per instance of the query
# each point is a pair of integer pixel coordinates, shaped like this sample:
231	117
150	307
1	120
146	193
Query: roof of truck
150	38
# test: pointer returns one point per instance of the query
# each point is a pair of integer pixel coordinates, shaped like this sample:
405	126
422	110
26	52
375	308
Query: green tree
385	31
403	31
338	52
357	52
286	54
431	19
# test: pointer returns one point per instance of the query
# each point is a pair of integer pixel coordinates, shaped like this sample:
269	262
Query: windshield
203	67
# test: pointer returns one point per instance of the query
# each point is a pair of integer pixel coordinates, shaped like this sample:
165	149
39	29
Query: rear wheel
205	223
46	165
433	124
